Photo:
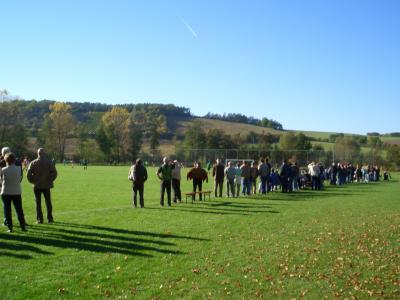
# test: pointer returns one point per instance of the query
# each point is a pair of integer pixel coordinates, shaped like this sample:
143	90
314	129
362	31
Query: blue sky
326	65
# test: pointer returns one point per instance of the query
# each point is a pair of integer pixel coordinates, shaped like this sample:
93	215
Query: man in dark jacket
264	170
246	175
164	173
42	173
138	176
284	176
218	174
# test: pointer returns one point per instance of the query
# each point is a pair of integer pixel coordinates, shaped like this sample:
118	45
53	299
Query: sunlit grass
341	242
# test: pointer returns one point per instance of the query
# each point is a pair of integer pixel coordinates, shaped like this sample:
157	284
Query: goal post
235	161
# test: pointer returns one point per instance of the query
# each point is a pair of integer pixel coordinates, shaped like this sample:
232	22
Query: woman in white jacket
10	178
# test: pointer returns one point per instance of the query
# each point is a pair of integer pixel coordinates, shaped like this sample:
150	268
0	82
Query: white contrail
189	27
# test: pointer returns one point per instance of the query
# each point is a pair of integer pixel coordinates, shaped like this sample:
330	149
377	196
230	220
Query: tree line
105	133
240	118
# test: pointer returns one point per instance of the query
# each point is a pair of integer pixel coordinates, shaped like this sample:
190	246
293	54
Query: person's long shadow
87	238
130	232
329	191
203	210
240	205
207	209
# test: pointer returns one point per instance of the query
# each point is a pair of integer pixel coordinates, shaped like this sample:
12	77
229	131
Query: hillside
171	129
177	127
230	128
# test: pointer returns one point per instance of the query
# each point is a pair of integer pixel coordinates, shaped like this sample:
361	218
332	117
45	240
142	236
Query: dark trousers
138	187
218	185
176	185
17	202
264	184
315	182
47	198
333	179
246	186
230	187
165	186
284	184
197	183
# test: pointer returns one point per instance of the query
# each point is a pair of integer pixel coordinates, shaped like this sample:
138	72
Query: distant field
339	243
391	140
330	146
229	127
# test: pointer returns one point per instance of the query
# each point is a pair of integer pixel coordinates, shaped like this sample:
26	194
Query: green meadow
342	242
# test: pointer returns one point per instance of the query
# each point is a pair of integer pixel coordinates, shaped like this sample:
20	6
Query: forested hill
32	113
120	133
240	118
49	123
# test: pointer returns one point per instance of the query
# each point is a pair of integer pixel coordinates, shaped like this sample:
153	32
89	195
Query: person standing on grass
253	177
176	181
264	171
209	165
10	179
42	173
230	173
238	179
198	175
295	176
218	174
164	173
85	163
284	175
314	171
138	176
3	153
246	174
333	173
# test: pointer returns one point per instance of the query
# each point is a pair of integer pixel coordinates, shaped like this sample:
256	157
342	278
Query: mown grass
342	242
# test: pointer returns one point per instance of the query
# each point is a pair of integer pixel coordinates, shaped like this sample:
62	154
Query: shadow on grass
220	208
328	191
81	237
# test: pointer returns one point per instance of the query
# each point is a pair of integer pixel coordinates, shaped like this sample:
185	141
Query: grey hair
5	150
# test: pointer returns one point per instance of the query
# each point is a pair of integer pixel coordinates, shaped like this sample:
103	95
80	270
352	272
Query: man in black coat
138	176
218	174
284	176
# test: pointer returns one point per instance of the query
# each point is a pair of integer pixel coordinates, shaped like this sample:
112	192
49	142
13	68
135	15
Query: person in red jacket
198	175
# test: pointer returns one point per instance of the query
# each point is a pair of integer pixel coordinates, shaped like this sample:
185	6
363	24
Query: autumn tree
156	125
9	117
288	141
116	129
195	137
346	148
62	124
393	155
104	142
146	123
136	132
12	131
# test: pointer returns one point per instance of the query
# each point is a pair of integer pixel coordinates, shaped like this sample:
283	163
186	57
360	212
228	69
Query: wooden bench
203	193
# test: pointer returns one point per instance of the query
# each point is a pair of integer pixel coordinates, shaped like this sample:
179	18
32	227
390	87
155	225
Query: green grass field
339	243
